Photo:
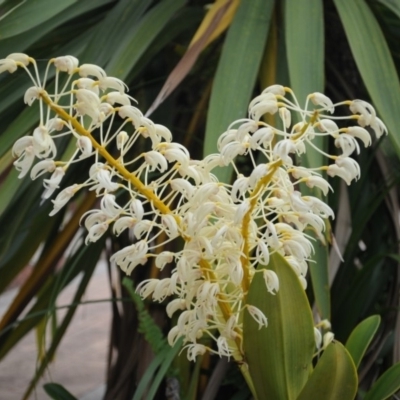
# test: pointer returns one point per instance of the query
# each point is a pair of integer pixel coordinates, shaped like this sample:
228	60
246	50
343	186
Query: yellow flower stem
305	127
247	219
222	304
148	193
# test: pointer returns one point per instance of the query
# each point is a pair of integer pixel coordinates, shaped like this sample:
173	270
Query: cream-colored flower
225	231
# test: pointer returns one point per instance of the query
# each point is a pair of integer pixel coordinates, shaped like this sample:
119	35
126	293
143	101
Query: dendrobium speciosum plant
227	230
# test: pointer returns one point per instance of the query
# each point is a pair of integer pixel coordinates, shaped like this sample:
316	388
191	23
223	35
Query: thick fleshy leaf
361	337
374	61
237	71
334	377
386	385
280	355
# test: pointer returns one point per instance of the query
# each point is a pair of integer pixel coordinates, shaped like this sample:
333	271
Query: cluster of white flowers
227	230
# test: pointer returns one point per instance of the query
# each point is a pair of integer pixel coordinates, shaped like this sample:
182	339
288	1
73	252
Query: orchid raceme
227	229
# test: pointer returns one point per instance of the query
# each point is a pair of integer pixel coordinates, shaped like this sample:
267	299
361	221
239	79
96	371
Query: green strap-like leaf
386	385
162	361
279	356
30	14
8	189
374	61
393	5
304	37
118	23
334	377
133	45
27	38
304	33
361	337
237	71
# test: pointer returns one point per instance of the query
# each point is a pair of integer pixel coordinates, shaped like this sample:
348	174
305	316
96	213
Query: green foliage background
346	49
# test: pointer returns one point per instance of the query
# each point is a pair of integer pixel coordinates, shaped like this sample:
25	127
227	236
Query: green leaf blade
30	14
361	337
58	392
279	356
133	45
334	377
386	385
305	46
374	62
305	58
237	72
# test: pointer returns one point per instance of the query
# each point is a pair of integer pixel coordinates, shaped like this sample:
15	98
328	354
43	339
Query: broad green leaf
58	392
140	38
361	337
374	61
280	355
387	384
237	72
334	377
31	14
